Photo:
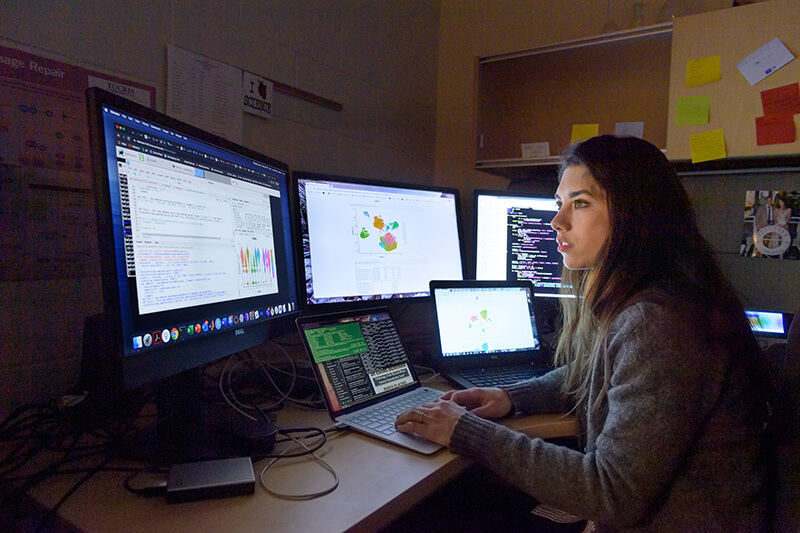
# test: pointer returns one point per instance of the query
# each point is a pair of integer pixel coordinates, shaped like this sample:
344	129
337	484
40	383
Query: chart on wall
770	224
46	196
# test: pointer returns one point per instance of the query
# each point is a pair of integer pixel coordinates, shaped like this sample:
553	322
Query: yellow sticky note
692	110
581	132
707	146
702	71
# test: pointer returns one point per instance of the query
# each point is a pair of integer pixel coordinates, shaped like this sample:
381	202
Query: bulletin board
733	34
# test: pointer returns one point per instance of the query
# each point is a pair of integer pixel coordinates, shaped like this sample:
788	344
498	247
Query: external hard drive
210	479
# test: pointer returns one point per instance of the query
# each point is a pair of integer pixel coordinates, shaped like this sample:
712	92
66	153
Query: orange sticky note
775	130
581	132
702	71
781	101
707	146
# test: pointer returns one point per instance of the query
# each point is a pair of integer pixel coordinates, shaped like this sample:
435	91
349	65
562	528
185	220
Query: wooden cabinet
537	95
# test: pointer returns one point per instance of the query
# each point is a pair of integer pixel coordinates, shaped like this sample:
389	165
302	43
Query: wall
378	59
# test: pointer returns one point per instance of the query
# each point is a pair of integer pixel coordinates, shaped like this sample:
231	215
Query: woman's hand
487	402
436	420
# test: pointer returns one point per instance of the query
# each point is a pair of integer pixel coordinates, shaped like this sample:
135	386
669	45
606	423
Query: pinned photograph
770	224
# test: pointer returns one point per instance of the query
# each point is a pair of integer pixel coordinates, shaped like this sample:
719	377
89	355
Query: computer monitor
366	240
195	245
514	240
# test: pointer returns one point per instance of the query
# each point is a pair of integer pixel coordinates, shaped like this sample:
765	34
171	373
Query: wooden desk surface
378	483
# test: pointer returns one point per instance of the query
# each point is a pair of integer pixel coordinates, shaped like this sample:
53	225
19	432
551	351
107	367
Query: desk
378	483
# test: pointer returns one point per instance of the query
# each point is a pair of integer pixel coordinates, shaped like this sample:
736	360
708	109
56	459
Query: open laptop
769	327
364	373
487	332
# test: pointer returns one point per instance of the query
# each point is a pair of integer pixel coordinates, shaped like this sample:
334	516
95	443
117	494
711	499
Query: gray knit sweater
675	449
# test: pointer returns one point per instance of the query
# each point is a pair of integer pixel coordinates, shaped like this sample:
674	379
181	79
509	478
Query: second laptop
487	332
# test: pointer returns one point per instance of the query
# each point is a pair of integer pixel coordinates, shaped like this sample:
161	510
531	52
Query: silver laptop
364	373
488	333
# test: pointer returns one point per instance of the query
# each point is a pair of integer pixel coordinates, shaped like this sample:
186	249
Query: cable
421	370
230	392
308	451
51	513
149	491
52	437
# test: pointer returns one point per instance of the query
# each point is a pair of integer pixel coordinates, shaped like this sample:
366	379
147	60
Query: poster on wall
46	196
770	224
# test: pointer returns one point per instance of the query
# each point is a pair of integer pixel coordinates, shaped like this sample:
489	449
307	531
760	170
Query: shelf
515	169
547	169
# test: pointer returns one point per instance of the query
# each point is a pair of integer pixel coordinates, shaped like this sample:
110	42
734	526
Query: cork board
733	34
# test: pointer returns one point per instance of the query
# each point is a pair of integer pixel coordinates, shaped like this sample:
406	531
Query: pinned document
707	146
581	132
534	150
701	71
780	106
764	61
781	101
775	130
630	129
692	110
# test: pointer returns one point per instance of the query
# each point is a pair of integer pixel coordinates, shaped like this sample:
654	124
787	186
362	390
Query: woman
782	212
655	358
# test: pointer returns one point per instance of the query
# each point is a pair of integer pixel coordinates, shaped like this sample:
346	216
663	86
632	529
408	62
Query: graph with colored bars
257	266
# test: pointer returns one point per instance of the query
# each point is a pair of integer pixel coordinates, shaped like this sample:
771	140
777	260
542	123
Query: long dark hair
654	243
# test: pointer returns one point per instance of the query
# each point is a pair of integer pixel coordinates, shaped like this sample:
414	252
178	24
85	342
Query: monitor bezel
358	302
130	372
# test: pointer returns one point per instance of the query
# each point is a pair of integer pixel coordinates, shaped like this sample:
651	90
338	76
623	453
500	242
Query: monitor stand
189	426
178	418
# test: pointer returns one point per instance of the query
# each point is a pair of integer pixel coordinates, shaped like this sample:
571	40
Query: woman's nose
558	221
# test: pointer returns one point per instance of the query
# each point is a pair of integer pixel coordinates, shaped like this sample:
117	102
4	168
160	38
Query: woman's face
582	222
781	203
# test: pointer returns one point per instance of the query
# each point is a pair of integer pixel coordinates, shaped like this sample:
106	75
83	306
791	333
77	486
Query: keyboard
499	377
381	417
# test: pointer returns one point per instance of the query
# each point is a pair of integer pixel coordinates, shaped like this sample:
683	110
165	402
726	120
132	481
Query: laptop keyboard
501	377
381	417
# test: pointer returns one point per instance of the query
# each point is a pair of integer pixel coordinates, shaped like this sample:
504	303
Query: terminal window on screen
193	231
366	242
515	241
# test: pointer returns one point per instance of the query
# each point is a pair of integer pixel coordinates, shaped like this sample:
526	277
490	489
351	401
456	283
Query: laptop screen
768	323
358	357
485	318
